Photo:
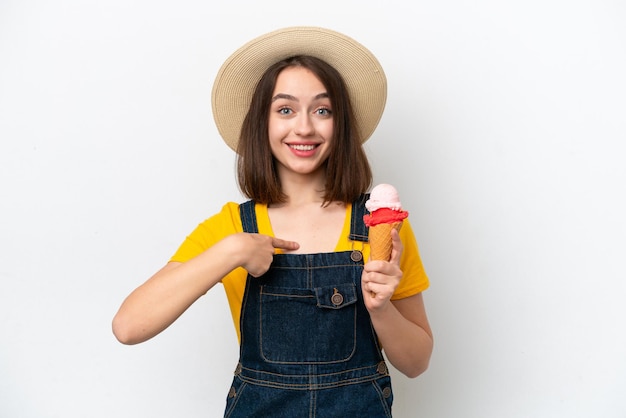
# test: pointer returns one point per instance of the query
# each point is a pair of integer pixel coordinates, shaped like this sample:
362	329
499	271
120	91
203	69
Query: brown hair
348	173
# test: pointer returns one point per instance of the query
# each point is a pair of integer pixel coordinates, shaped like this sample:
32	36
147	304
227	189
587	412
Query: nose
304	125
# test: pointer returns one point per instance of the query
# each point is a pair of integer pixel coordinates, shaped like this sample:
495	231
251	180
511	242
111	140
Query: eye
284	111
324	111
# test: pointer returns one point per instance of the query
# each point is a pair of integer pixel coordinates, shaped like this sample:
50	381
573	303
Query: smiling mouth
299	147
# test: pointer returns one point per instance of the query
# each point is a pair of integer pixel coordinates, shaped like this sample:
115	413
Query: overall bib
308	348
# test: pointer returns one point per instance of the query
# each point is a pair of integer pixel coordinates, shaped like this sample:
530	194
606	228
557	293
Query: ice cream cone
380	240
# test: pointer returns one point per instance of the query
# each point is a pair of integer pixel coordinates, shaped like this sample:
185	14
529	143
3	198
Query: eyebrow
293	98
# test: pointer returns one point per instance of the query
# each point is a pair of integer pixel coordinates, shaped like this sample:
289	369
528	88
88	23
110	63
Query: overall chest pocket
308	326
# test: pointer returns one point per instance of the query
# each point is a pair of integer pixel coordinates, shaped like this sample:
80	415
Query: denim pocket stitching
271	348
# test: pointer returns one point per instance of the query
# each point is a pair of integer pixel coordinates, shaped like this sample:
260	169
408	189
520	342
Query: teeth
302	147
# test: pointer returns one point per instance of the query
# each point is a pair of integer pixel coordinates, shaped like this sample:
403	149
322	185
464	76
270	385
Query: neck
303	189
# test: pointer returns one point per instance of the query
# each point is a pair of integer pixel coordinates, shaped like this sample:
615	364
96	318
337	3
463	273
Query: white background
504	132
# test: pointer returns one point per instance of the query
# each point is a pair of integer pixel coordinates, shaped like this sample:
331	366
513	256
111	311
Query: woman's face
300	122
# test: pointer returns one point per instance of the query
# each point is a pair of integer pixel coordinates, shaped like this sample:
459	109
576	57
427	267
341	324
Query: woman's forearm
405	335
157	303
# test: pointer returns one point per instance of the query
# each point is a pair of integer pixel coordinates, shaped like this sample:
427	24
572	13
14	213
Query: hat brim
237	78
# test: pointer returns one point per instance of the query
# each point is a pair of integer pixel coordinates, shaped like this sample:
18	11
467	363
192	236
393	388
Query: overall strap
248	217
358	230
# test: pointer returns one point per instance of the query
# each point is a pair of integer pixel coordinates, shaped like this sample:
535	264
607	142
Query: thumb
397	247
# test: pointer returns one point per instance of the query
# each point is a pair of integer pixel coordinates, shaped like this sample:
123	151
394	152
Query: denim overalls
308	348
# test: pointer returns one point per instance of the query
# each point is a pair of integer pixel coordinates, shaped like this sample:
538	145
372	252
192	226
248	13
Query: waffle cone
380	240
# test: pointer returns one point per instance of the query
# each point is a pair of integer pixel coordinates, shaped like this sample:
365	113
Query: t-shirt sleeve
207	233
414	278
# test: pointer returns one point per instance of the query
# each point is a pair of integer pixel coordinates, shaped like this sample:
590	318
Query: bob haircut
348	172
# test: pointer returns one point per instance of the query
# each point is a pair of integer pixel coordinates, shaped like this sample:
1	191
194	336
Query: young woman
311	312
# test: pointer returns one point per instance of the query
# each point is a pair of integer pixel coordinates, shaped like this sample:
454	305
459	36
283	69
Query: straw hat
238	76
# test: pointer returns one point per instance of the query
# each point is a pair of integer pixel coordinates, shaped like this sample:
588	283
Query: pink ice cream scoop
384	206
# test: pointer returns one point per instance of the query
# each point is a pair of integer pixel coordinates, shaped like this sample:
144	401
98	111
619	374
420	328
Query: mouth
303	147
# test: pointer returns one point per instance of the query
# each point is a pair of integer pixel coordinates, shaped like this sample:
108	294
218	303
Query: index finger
284	244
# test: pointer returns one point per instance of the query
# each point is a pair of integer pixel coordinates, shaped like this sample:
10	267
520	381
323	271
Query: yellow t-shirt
228	222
